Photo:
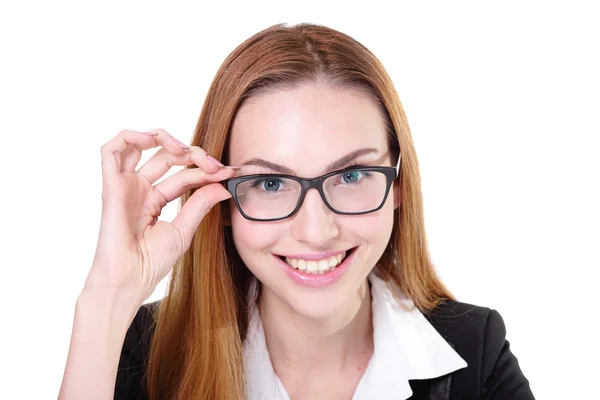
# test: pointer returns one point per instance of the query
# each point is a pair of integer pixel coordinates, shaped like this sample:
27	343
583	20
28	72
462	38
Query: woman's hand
135	251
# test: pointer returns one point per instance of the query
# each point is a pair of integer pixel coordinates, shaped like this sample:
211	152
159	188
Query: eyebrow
338	164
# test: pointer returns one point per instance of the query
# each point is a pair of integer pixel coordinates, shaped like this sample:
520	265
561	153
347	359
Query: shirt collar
406	347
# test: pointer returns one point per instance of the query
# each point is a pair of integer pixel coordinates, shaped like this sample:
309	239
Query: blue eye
350	177
271	185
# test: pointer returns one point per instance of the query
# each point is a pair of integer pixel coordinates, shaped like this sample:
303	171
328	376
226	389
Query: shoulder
464	324
478	335
134	354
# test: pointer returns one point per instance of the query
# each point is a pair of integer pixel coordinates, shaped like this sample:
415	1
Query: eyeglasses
349	191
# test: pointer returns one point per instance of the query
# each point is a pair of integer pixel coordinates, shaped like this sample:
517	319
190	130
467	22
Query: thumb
196	207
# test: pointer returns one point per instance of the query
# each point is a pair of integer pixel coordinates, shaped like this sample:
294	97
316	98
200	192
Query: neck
297	343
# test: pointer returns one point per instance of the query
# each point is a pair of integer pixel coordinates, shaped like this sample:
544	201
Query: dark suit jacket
476	333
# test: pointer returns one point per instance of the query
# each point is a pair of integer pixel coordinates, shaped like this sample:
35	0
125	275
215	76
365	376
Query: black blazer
476	333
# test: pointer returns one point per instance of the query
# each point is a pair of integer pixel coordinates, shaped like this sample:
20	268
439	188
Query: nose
314	223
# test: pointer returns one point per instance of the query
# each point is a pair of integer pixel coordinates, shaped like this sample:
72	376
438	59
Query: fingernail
214	160
232	167
180	144
149	133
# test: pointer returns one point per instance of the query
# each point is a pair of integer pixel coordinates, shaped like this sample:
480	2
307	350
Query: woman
280	291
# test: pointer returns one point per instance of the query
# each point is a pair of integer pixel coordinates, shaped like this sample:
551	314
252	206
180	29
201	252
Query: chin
320	305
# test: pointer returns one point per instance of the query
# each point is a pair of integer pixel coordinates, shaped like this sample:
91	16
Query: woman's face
305	129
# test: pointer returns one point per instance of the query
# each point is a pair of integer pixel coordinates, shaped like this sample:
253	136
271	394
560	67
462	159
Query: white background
502	100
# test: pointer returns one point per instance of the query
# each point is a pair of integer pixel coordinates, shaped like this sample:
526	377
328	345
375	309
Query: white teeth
316	267
302	265
323	265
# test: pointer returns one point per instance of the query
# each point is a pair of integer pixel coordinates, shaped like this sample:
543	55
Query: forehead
307	127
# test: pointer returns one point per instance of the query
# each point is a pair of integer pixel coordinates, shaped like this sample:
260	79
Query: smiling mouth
317	267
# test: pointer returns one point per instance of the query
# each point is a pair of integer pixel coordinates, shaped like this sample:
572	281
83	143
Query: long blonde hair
196	350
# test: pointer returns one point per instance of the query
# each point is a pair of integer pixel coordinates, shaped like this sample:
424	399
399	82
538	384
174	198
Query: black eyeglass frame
391	173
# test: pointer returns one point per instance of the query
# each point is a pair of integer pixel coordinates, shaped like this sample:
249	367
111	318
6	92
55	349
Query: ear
396	193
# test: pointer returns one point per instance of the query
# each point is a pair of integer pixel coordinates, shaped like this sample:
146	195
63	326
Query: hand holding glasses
135	250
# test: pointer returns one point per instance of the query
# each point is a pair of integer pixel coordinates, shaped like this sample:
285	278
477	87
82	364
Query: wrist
108	306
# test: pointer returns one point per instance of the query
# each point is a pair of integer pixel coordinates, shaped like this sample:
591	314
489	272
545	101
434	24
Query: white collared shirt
406	346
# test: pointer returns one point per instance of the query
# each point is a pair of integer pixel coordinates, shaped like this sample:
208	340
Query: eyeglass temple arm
397	167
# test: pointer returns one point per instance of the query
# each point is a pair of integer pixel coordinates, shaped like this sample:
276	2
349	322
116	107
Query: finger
112	150
205	161
196	208
163	139
123	152
186	179
161	162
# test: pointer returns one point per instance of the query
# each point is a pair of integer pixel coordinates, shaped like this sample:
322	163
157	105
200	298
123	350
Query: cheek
251	237
375	228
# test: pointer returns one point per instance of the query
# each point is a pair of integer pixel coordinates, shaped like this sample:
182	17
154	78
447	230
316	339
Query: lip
317	280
